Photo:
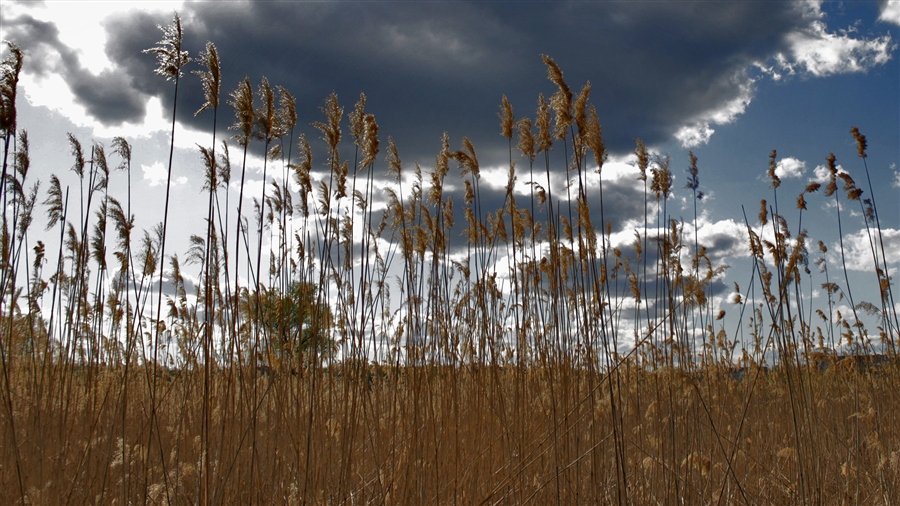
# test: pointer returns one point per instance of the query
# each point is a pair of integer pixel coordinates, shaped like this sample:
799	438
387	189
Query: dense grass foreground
464	435
344	346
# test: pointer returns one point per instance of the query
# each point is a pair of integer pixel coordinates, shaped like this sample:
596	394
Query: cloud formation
890	12
858	247
660	71
157	174
790	168
107	96
820	53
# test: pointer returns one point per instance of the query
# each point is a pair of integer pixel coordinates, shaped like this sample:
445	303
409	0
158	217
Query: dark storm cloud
40	43
128	36
431	67
109	96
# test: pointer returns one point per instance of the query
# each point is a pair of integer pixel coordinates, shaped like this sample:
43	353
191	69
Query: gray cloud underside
108	96
433	67
430	67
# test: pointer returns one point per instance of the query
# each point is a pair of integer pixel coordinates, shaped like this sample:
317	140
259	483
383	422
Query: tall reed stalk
171	59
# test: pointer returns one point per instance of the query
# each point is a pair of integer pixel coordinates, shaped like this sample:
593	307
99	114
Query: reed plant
412	348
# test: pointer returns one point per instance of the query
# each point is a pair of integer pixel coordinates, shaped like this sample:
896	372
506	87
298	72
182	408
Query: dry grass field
440	435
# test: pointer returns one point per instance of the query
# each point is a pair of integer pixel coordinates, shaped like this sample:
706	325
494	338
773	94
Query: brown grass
439	435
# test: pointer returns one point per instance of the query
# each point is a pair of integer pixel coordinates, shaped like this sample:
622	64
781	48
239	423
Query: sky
727	81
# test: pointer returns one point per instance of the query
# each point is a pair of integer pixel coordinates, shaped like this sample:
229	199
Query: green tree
294	323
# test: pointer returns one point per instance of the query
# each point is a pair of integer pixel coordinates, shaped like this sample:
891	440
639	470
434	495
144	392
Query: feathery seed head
22	162
267	120
511	184
224	166
567	228
507	119
209	164
370	140
470	150
211	78
78	153
436	191
341	172
242	101
853	193
499	226
869	209
467	159
526	139
693	181
469	192
357	118
543	124
594	138
441	166
331	131
54	202
661	184
776	181
99	158
562	109
123	149
561	100
287	110
861	143
832	181
447	213
643	158
393	159
169	55
9	83
541	193
301	174
580	108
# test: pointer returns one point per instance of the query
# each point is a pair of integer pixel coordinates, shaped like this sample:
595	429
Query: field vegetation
340	350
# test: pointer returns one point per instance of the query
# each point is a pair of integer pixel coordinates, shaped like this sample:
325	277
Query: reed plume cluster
339	349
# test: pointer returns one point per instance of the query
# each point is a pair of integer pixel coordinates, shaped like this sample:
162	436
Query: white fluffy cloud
694	135
890	13
699	130
724	239
156	175
818	52
821	174
791	168
858	250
